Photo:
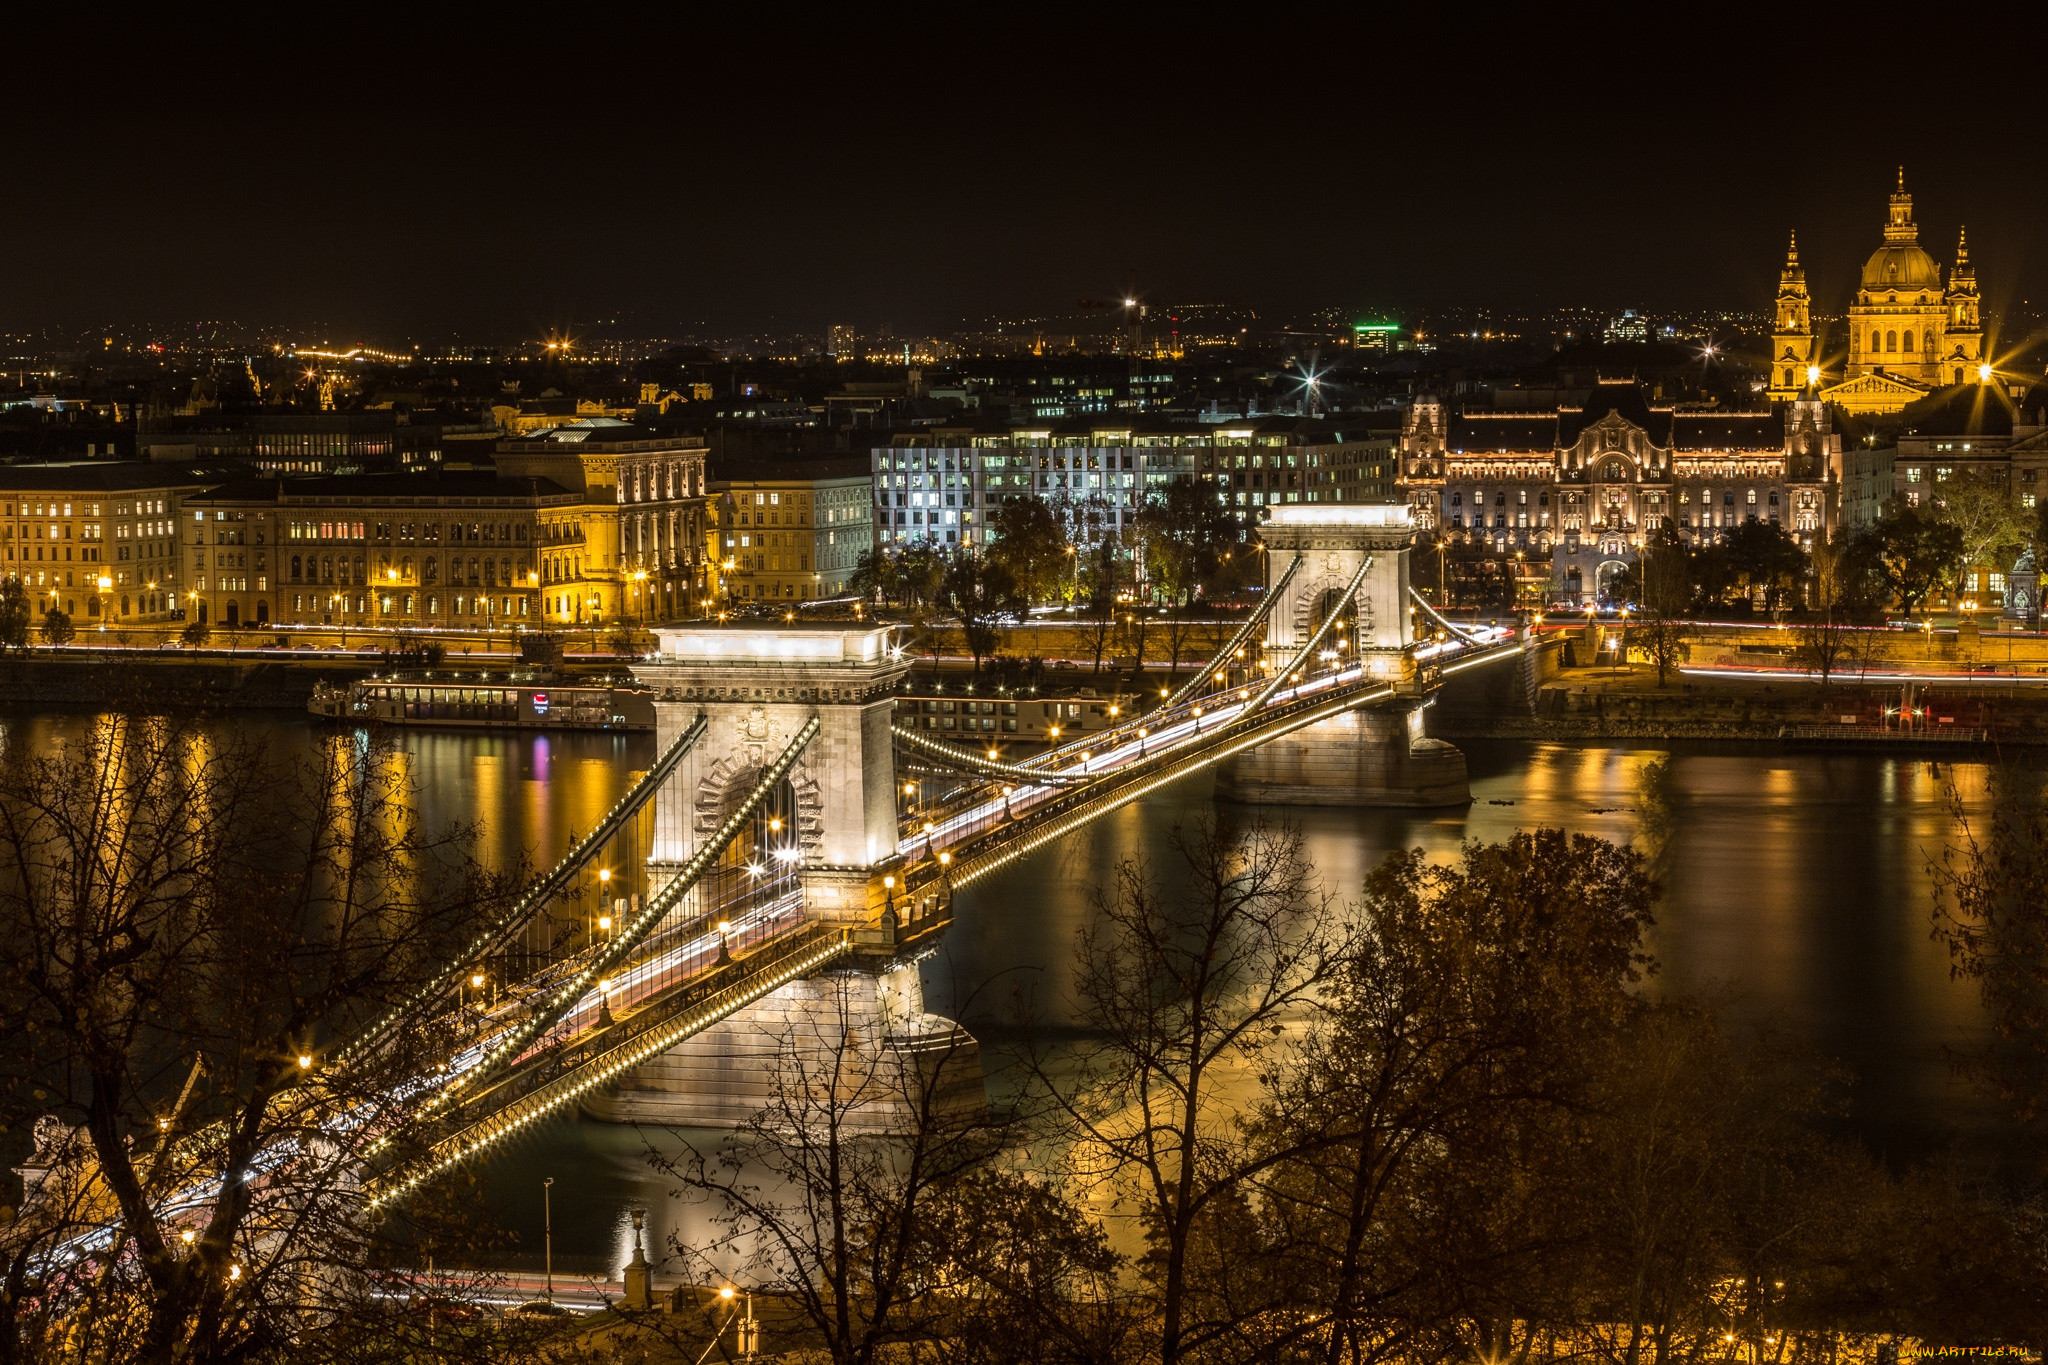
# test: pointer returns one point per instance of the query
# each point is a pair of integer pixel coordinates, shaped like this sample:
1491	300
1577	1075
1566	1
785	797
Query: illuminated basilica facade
1909	334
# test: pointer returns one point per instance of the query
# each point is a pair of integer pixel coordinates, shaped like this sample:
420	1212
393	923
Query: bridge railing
1021	823
515	919
515	1042
534	1094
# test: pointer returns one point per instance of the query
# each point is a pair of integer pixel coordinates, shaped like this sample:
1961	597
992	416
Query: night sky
522	170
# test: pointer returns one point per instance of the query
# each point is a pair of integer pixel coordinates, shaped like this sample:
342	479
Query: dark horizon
439	181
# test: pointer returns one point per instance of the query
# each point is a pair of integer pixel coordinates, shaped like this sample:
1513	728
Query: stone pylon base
1361	758
856	1040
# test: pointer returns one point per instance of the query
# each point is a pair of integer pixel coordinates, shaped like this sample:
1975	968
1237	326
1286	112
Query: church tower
1965	331
1793	346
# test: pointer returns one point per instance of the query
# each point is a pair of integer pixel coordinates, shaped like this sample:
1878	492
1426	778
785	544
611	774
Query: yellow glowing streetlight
1983	374
1813	376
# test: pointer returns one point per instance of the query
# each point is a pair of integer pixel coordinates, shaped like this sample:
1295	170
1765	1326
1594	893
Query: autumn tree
875	577
1911	550
1663	589
1031	544
1993	527
1829	639
56	628
981	594
867	1197
1098	604
1475	994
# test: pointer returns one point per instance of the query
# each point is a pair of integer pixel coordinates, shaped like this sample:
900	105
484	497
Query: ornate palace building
1908	333
1584	483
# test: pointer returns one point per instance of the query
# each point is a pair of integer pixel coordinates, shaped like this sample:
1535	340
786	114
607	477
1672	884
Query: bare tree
195	922
1183	985
1828	642
863	1196
1991	911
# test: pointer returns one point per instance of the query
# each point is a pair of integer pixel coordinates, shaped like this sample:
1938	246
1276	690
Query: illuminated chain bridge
780	851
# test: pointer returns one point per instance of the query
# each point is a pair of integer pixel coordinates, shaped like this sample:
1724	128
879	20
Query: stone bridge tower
759	686
1375	756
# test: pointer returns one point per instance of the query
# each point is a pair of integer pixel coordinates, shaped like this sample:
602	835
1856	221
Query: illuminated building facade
632	546
790	534
1580	486
98	541
450	552
940	485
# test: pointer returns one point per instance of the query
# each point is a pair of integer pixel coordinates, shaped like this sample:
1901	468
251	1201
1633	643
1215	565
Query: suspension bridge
781	848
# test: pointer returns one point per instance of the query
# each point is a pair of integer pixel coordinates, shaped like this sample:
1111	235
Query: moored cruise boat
503	702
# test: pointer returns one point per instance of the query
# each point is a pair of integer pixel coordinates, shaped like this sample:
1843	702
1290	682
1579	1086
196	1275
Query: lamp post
547	1223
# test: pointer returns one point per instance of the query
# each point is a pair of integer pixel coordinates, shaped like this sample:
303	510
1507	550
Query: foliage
1991	910
875	577
1474	996
56	628
921	573
1480	576
1098	605
1183	535
1993	526
1829	640
840	1195
1911	550
981	592
1031	544
1756	559
15	614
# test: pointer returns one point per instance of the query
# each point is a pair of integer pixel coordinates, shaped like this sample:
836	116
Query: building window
1909	346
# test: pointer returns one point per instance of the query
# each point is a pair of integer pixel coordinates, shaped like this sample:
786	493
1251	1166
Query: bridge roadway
678	978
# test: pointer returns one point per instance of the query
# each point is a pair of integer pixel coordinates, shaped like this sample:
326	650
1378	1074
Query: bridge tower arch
757	687
1377	755
832	820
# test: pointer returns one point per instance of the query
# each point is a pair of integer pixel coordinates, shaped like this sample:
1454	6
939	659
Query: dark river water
1795	890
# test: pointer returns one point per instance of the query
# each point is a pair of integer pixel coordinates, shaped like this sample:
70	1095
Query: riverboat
483	701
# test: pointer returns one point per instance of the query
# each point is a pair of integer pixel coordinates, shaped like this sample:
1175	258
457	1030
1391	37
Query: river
1795	890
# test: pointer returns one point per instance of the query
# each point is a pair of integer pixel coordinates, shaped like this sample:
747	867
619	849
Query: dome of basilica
1901	265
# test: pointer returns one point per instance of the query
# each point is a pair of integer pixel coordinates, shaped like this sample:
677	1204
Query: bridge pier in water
820	838
1377	755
